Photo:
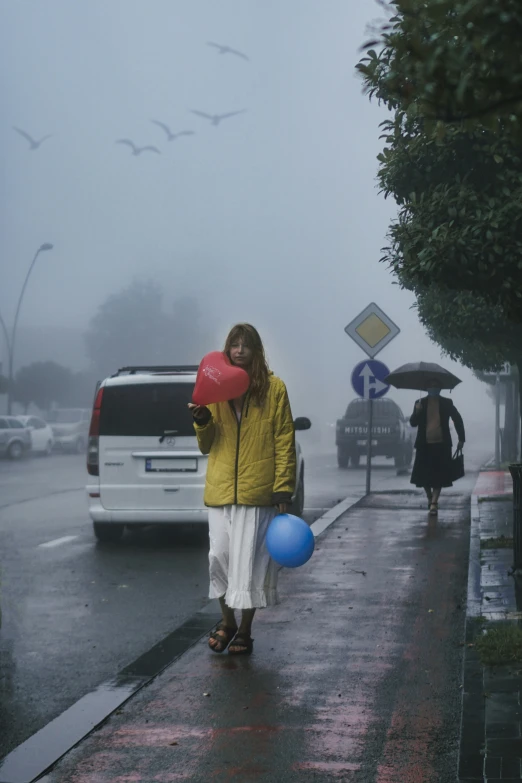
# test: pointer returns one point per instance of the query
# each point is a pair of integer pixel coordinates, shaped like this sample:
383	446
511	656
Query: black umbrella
422	376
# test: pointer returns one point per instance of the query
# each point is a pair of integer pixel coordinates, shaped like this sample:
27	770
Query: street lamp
6	338
11	342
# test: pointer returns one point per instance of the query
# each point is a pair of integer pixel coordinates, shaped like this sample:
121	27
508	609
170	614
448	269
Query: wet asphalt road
76	612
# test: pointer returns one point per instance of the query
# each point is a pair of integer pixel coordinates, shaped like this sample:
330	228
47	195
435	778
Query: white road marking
57	542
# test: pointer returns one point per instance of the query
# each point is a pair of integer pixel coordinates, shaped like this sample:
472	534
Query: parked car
143	459
15	439
70	428
42	437
392	436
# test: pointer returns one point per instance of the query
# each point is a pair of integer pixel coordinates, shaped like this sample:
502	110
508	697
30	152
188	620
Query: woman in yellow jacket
251	477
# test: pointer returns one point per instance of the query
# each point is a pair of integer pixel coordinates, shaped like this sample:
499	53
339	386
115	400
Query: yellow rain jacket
252	462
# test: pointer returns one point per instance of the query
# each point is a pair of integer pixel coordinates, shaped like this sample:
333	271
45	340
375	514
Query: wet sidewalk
354	677
491	744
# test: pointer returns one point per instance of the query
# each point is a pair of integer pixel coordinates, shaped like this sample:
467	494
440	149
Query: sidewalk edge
471	764
474	600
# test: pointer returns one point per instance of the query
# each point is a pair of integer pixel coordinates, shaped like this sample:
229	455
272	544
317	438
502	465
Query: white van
143	460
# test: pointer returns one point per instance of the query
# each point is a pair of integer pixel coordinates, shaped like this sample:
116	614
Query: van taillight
93	448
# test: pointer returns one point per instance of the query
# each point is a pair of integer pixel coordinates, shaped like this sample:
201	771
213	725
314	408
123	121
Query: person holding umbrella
432	469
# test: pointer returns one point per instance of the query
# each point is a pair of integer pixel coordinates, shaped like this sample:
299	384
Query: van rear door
148	453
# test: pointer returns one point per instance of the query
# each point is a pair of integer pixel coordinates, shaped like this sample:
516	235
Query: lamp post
497	422
11	342
6	339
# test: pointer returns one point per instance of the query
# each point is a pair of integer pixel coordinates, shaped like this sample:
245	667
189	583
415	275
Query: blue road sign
368	379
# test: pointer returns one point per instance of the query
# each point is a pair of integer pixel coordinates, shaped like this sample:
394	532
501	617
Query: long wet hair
259	371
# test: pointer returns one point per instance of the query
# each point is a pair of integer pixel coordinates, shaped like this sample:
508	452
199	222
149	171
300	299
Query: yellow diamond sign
372	330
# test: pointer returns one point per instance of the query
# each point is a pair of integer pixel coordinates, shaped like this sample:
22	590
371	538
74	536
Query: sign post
504	373
372	330
369	448
367	383
497	422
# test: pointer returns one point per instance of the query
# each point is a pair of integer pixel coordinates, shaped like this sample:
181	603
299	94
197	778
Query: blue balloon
289	540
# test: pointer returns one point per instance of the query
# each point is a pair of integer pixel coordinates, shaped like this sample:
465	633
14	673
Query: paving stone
501	780
493	766
495	616
503	730
498	605
507	748
471	766
503	708
511	768
496	681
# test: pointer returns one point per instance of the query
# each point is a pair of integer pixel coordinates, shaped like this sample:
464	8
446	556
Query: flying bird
172	136
137	150
227	50
215	119
33	142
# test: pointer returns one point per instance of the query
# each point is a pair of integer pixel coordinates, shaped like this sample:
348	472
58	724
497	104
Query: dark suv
392	436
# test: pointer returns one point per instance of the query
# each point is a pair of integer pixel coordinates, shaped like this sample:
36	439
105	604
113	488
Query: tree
455	60
457	242
460	211
459	191
131	327
42	383
477	335
469	330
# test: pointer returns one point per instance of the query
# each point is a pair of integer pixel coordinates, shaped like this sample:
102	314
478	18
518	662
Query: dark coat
447	411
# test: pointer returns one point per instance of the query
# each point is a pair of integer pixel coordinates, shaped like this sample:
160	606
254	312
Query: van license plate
172	465
365	442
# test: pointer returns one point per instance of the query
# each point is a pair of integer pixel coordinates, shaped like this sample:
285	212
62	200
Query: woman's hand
418	406
283	508
198	411
460	445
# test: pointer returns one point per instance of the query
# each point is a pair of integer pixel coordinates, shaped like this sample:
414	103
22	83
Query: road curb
488	745
332	515
473	606
472	714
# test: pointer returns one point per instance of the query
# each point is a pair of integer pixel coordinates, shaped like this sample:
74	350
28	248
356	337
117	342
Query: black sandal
225	640
246	642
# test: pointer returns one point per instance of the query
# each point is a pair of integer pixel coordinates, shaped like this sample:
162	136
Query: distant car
392	436
41	434
15	439
70	428
143	458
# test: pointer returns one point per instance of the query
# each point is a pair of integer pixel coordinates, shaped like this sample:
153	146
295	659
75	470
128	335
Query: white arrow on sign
366	374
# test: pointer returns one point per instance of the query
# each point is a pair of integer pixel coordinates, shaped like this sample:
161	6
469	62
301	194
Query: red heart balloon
218	380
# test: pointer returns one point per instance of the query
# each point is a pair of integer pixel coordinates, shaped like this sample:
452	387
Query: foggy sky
274	217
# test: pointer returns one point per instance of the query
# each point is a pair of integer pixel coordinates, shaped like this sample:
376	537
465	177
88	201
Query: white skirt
240	567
